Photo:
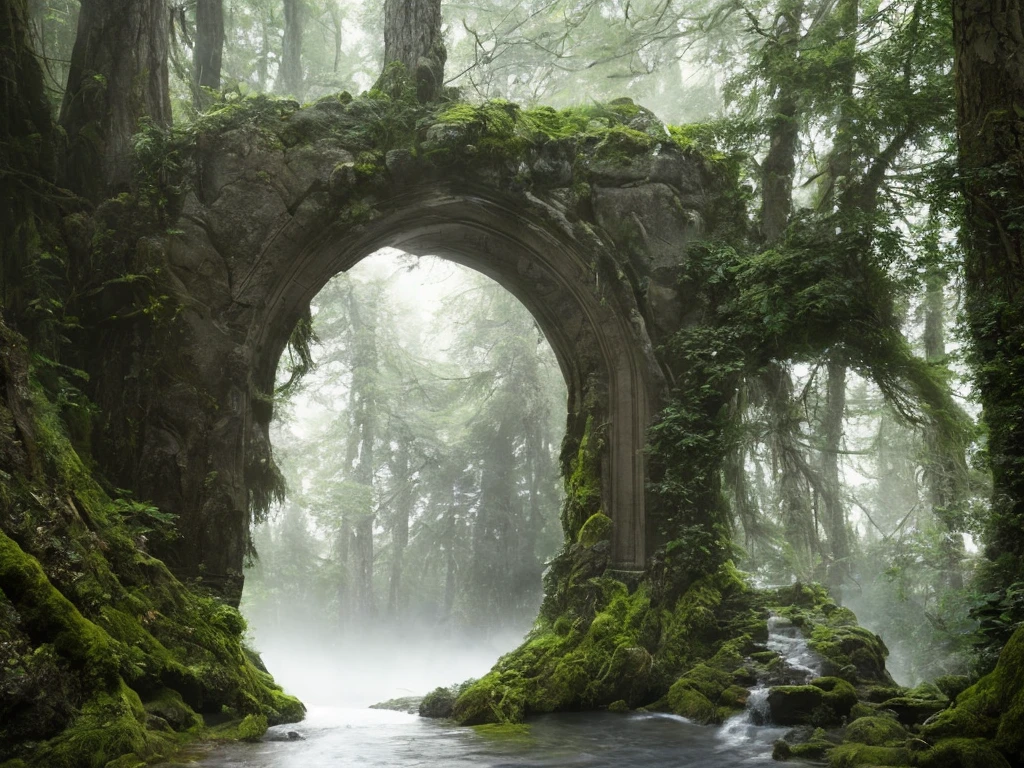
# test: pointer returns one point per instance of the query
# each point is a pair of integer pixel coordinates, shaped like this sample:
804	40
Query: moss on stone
439	703
964	753
597	528
111	622
876	732
252	727
852	755
992	708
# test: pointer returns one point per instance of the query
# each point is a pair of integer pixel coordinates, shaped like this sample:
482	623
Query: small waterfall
801	665
786	639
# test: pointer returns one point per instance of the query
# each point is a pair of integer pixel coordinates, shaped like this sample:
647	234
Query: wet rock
439	703
409	704
402	165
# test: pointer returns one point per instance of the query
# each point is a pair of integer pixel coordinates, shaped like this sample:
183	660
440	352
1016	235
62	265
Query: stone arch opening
605	367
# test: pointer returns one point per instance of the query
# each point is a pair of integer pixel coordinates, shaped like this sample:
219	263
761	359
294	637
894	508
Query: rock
409	704
952	686
342	178
826	701
402	165
794	704
440	702
312	165
876	732
914	711
169	707
646	221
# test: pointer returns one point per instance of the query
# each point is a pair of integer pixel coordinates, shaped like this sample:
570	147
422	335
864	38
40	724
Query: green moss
852	755
440	702
692	704
108	726
112	621
497	697
964	753
252	727
583	483
952	686
875	732
505	731
619	706
597	528
621	145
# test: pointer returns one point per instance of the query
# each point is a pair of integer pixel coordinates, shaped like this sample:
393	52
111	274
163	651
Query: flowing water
370	738
335	736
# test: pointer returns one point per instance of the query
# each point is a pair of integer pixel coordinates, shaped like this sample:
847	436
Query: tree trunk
794	496
412	38
834	517
263	63
118	75
336	20
290	80
783	134
402	504
989	72
209	48
27	172
945	471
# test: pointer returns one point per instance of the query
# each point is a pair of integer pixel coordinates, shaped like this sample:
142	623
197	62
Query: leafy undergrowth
105	657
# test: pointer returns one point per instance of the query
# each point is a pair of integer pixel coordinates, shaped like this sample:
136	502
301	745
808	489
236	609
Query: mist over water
366	669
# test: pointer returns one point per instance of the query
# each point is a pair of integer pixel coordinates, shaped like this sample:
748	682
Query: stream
369	738
336	736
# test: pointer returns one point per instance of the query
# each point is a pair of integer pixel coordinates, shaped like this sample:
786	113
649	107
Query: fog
419	455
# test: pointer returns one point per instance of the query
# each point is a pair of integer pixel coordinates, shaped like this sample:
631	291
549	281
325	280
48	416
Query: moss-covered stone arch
583	215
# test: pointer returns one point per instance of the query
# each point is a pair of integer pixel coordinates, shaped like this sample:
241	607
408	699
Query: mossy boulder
252	727
917	704
964	753
439	703
851	755
826	701
877	731
993	708
692	704
168	705
816	746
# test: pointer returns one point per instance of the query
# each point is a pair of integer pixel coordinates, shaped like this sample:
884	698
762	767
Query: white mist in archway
420	455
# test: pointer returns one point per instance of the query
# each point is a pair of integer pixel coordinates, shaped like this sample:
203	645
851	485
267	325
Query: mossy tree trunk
412	38
118	75
989	72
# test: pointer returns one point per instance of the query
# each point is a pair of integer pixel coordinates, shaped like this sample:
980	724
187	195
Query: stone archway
589	242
